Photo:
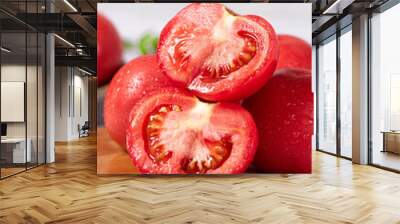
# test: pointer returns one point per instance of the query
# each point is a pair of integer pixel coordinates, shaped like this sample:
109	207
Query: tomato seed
155	147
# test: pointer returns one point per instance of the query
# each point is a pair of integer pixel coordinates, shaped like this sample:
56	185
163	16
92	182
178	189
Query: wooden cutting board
112	158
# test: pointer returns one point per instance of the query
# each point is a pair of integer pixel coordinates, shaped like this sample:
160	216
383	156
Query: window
327	96
346	93
385	89
22	77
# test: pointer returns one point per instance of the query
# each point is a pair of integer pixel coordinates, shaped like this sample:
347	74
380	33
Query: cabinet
391	141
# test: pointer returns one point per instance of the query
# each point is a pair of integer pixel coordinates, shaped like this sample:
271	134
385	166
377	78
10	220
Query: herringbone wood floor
69	191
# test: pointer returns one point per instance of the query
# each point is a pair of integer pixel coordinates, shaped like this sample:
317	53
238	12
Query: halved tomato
130	84
172	132
217	54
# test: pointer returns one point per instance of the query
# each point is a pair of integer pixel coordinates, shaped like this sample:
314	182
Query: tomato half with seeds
172	132
216	53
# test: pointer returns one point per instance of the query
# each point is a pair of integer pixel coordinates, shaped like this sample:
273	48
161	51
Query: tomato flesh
218	55
172	132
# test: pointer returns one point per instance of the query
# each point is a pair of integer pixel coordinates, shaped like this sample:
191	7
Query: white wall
70	83
12	73
81	85
61	103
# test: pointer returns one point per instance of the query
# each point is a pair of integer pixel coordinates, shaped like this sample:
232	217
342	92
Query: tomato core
201	154
213	73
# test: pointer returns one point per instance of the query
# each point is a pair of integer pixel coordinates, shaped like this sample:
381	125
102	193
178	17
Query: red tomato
109	50
293	53
172	132
131	83
217	54
283	112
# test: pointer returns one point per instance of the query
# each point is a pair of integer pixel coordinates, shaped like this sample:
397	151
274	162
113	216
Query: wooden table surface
112	158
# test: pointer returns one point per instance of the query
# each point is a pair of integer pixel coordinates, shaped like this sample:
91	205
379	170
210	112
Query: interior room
334	119
72	106
26	92
50	105
23	100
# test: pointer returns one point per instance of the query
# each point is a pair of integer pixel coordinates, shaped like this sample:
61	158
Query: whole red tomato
132	82
283	112
173	132
293	53
217	54
109	50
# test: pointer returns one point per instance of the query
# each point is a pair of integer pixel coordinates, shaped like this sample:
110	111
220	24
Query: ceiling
74	22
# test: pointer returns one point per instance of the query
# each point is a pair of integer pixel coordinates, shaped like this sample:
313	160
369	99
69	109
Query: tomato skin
131	83
283	112
293	53
109	50
239	84
226	116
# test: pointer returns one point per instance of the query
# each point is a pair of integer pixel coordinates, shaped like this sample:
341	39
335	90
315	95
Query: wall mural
204	88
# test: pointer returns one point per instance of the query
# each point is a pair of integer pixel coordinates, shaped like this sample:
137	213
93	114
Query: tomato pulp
172	132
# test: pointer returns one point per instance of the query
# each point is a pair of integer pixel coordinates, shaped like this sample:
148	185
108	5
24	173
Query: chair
84	130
